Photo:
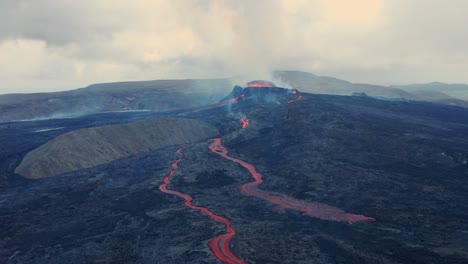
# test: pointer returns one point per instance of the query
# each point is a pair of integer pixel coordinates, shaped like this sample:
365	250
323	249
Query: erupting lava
260	84
318	210
219	245
245	122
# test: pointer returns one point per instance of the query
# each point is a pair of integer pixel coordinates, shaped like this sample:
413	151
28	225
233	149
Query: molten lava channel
313	209
220	245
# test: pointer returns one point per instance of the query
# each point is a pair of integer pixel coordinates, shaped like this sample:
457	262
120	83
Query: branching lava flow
318	210
220	245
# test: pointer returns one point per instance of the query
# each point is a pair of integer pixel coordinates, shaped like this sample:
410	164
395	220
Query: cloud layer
62	44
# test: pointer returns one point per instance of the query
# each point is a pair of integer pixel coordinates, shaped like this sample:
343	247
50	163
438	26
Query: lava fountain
220	245
313	209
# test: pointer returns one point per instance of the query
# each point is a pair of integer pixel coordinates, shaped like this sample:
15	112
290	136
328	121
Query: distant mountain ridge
157	95
166	95
311	83
459	91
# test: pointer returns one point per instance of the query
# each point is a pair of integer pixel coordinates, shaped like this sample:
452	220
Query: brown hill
89	147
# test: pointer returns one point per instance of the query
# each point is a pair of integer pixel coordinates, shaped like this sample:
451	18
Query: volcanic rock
89	147
402	163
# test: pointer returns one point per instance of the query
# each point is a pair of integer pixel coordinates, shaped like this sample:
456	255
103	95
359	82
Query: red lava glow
260	85
220	245
313	209
179	151
245	122
295	100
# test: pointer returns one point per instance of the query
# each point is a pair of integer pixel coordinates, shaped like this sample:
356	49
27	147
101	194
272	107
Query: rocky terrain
402	163
89	147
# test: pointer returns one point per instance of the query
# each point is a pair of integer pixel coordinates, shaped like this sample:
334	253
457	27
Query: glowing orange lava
260	85
314	209
220	245
245	122
179	151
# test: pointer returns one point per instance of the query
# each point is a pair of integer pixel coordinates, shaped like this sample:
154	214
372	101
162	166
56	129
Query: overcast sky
51	45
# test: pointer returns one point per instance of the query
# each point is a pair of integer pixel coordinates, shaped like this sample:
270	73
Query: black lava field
292	178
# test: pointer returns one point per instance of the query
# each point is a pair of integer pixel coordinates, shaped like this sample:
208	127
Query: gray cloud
63	44
56	22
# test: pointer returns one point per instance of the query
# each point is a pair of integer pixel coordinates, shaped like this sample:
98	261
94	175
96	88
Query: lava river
220	245
314	209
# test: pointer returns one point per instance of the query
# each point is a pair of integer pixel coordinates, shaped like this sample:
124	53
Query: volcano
276	175
263	92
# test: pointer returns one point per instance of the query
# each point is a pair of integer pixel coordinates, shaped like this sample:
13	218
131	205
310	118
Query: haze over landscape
56	45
